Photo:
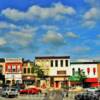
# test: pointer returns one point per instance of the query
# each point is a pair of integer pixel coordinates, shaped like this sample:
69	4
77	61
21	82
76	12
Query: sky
30	28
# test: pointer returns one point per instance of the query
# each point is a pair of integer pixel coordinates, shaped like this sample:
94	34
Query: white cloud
36	11
72	35
54	38
2	41
93	13
89	23
24	35
50	27
7	25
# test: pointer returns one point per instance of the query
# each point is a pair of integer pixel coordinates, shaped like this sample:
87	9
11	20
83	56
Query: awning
91	80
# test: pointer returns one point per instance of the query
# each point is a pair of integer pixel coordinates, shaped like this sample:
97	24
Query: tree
37	70
78	77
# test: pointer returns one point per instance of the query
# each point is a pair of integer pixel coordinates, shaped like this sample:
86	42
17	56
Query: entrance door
56	84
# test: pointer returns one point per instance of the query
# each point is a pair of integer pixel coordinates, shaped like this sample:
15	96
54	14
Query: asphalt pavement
50	96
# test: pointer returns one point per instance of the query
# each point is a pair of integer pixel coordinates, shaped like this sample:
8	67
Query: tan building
56	69
28	77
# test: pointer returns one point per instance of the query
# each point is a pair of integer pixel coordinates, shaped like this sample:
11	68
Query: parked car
93	95
33	90
9	91
92	89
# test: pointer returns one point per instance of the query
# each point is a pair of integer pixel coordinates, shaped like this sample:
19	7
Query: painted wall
85	67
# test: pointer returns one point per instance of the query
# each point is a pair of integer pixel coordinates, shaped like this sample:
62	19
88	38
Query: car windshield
13	89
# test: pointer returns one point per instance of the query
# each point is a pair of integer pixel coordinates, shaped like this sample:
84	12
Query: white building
57	68
91	71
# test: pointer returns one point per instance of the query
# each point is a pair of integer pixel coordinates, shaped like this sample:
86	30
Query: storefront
28	80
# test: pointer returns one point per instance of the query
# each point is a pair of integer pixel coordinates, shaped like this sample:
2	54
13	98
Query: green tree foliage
37	70
78	77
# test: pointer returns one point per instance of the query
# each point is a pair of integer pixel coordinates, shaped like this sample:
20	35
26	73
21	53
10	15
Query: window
88	70
51	63
94	71
18	68
73	71
24	70
61	63
56	63
13	68
66	63
28	70
79	70
9	68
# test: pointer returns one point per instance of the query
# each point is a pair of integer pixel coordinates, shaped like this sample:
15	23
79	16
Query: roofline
52	57
85	62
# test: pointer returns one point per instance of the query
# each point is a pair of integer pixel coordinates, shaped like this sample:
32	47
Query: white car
9	91
91	89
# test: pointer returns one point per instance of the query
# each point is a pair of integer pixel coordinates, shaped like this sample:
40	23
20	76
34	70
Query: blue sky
30	28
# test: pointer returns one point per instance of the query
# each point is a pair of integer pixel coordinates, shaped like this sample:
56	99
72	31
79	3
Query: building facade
28	76
2	71
91	69
13	70
56	69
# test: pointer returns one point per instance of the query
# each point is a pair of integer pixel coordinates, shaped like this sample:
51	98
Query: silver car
9	91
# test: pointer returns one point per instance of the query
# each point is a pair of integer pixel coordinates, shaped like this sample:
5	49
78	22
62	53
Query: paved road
50	96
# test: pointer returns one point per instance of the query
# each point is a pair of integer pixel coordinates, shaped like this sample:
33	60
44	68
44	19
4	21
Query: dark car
88	96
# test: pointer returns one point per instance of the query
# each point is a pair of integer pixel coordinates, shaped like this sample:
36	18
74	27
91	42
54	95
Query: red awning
91	80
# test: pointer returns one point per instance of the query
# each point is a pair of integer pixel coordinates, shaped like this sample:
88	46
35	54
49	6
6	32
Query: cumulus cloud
2	41
50	27
89	23
24	35
4	25
39	12
72	35
53	38
93	13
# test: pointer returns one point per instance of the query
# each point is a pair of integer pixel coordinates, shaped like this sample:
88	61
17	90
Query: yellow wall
44	65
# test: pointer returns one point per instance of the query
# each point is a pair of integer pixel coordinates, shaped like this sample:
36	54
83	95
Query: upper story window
88	71
24	70
61	63
94	71
9	68
13	68
51	63
56	63
79	70
73	71
66	63
18	68
28	70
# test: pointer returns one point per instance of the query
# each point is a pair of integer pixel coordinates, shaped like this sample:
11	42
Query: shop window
88	70
66	63
51	63
61	63
94	71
